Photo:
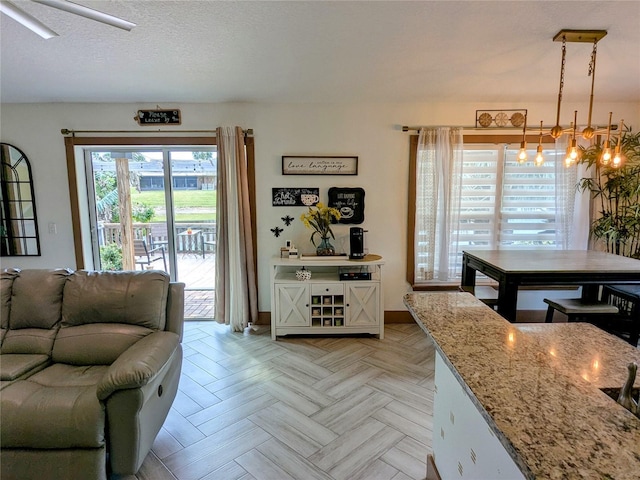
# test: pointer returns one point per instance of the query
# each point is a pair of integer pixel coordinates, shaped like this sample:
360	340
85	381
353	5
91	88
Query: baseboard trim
390	316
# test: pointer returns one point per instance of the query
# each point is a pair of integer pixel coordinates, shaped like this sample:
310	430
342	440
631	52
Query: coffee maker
356	242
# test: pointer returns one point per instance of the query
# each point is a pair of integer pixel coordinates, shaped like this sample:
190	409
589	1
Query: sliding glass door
155	208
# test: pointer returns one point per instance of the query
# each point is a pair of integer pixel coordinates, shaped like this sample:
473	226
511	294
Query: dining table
513	269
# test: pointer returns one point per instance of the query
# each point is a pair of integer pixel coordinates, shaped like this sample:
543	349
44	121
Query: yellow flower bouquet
319	219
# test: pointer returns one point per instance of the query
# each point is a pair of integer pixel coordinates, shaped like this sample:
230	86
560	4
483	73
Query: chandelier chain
564	57
592	63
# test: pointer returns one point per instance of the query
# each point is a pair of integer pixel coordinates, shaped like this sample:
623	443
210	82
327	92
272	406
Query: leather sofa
90	363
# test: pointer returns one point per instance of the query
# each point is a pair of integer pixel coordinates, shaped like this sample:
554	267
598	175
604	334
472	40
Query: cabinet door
362	304
292	305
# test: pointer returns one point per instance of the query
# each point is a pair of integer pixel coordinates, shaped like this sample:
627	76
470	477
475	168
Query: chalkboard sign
294	197
349	202
158	117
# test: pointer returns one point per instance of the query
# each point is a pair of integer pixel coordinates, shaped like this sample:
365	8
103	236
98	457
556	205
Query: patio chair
158	235
206	242
145	256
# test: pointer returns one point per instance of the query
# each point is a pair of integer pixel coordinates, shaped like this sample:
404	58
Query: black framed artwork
294	197
349	201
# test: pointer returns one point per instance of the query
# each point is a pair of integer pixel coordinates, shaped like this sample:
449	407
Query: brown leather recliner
89	364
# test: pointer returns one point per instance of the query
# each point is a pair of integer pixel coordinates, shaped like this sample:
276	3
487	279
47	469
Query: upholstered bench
576	310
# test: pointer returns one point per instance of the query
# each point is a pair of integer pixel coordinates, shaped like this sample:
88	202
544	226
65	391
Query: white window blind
503	205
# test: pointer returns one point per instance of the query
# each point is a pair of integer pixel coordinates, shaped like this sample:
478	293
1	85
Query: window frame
73	142
472	138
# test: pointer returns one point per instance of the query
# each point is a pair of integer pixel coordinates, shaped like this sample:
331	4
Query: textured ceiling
320	51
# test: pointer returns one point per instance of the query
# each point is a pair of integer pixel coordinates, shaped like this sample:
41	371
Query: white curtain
572	205
438	192
236	291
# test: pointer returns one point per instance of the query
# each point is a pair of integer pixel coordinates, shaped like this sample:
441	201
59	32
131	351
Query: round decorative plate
485	119
501	119
517	119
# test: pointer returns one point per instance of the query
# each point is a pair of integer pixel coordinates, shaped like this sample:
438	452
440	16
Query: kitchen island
537	387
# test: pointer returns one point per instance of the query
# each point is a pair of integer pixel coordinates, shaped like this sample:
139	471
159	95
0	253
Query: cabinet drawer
327	289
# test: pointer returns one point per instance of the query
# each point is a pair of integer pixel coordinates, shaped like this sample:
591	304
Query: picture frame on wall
349	201
319	165
294	197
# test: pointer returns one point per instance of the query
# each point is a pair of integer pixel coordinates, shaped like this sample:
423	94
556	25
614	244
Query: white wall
370	131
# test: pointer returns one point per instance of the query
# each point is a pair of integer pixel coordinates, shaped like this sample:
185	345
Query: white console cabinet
325	304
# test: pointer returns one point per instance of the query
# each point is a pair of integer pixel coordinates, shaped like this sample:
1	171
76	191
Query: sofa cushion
29	341
135	298
34	311
6	284
95	343
36	298
14	366
60	398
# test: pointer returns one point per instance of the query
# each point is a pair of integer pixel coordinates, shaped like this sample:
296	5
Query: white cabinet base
464	446
325	305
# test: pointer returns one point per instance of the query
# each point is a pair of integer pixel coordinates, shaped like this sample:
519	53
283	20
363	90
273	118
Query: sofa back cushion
6	284
104	313
34	311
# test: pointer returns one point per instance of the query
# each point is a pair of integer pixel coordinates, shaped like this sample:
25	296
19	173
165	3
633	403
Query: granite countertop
538	386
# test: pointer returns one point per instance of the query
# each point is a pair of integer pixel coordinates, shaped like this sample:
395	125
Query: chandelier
571	36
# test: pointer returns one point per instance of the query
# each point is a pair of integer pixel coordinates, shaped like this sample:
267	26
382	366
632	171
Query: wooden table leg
508	299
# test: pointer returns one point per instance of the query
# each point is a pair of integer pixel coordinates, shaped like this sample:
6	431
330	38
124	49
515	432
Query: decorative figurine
625	399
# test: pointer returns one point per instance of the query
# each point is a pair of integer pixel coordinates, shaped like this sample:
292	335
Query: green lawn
181	198
190	205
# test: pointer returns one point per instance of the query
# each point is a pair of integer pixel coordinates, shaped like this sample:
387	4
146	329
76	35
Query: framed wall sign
294	197
319	165
158	117
349	202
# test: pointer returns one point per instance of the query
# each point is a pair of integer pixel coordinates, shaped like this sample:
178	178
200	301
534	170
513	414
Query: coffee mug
309	199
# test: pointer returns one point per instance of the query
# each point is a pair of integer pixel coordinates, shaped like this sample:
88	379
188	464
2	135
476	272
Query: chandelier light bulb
569	159
573	153
522	154
617	158
606	155
539	160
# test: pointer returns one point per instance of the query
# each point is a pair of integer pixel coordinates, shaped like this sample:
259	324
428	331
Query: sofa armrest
139	364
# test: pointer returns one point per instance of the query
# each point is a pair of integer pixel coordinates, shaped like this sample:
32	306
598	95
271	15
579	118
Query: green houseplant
616	195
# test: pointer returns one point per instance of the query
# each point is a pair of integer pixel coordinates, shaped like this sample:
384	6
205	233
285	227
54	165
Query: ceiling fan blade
26	20
88	13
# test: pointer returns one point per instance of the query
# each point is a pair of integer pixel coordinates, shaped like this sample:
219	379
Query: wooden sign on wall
158	117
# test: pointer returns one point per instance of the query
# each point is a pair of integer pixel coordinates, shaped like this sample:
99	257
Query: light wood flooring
298	408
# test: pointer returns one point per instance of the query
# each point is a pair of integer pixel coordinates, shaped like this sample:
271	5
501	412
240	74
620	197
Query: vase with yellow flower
319	219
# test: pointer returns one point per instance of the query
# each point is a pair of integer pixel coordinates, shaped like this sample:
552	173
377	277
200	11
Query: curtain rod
66	131
530	130
417	128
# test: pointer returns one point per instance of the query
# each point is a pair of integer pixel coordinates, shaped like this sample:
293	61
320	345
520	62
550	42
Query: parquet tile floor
306	408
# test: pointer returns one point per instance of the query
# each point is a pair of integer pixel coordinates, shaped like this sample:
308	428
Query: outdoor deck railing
155	234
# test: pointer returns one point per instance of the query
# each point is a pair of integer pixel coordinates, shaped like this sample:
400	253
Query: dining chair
627	299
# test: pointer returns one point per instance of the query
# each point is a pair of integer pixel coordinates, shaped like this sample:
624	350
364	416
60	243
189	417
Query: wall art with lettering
319	165
294	197
349	202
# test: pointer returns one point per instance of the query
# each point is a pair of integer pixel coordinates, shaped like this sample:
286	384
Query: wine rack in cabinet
329	303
